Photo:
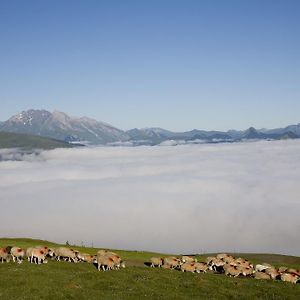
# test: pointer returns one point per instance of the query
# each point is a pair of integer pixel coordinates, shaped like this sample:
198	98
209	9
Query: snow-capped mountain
60	126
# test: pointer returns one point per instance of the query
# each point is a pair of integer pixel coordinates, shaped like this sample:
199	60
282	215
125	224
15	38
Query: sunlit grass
62	280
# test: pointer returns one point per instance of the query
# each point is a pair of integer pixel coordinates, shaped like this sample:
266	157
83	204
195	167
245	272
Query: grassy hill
26	141
62	280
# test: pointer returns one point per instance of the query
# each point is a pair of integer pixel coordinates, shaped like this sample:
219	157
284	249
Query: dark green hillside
63	280
26	141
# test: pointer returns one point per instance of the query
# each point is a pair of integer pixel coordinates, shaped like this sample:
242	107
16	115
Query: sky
207	64
241	197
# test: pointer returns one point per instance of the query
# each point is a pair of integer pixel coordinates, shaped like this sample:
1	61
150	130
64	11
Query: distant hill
154	136
26	141
61	126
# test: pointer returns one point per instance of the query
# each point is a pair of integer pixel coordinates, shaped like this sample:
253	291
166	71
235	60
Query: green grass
62	280
27	141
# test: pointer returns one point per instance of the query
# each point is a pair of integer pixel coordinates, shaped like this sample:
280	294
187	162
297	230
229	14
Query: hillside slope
62	280
27	141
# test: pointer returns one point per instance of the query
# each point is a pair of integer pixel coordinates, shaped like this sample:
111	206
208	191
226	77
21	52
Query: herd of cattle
229	265
108	260
104	259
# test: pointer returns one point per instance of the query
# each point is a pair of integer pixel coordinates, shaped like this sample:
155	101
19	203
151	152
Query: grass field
62	280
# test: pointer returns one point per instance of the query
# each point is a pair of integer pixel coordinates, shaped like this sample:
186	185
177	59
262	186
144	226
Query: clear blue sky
173	64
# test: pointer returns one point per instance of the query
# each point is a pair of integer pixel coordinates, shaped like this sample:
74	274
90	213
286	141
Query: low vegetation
63	280
27	141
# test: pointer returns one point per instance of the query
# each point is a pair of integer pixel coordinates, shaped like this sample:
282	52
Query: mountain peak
61	126
252	133
251	129
29	117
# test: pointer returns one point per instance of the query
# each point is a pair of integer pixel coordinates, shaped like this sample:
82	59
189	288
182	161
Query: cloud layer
184	199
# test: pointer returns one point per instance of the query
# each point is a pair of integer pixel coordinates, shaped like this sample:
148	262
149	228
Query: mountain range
60	126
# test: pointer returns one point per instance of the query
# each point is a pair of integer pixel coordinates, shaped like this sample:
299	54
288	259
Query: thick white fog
184	199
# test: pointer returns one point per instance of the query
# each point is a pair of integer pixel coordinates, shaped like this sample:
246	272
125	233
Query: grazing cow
261	268
188	267
107	263
17	254
232	270
28	253
5	254
87	257
117	260
156	262
80	256
261	275
293	278
38	256
188	259
274	274
108	260
173	262
293	271
247	271
244	265
65	253
217	265
201	267
49	252
241	262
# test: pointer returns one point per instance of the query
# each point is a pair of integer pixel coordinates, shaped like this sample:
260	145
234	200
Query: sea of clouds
186	199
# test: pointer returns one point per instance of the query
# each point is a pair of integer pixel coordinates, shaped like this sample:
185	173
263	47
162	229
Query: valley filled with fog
242	197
